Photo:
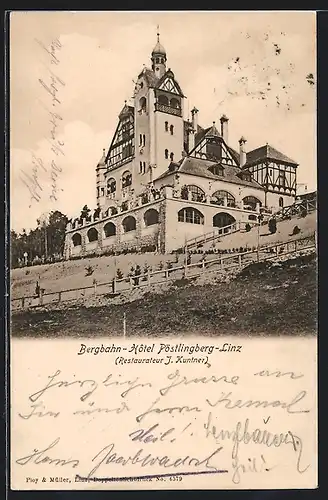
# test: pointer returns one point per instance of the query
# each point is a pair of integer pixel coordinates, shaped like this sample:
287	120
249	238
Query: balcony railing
168	109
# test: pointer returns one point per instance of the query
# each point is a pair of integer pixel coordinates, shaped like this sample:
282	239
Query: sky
70	73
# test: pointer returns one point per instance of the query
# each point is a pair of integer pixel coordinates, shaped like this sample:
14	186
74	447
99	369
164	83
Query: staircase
306	205
217	233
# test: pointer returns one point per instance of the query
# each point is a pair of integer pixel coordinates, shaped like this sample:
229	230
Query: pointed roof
126	110
158	49
169	74
212	131
149	76
102	161
268	152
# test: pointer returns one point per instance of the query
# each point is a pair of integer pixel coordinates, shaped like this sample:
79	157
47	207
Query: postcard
163	250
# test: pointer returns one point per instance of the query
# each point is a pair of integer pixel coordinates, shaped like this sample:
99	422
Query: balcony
164	108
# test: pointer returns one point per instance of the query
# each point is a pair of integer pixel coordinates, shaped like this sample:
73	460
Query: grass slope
265	299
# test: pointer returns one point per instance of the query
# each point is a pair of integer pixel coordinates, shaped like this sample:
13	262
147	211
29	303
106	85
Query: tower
158	58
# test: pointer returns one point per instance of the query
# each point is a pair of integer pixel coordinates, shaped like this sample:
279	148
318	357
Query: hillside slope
72	274
264	299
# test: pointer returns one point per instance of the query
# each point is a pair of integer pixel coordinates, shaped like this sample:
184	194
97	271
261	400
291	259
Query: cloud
76	182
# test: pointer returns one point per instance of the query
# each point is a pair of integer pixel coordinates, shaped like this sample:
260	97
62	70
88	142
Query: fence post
239	260
203	264
114	284
41	297
23	302
166	274
148	277
221	262
59	296
131	282
95	287
295	245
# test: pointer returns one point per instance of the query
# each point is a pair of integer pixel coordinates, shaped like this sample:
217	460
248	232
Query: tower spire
158	33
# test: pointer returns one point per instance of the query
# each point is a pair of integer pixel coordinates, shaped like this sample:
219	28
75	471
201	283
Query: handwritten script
45	171
236	425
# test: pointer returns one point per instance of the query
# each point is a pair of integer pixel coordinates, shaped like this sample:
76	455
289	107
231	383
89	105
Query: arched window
223	219
111	186
166	154
191	215
126	179
171	129
109	229
157	60
223	198
281	202
129	224
77	239
250	202
92	234
174	103
166	126
171	156
151	217
143	104
144	139
162	99
197	194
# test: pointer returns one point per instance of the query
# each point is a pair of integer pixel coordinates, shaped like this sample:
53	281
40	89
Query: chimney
242	152
194	119
224	128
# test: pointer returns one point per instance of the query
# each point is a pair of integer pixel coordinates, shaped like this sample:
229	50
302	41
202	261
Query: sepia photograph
163	212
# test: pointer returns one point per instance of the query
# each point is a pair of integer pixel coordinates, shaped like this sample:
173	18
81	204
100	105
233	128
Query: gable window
174	103
140	140
140	168
171	156
216	170
190	215
144	167
281	202
166	154
144	140
171	129
166	126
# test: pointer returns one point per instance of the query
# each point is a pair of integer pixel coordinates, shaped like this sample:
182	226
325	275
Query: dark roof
199	167
267	152
150	77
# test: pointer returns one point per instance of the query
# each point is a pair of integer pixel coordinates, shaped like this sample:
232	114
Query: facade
164	179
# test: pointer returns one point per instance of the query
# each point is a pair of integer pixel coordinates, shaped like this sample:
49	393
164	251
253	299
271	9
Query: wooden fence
220	263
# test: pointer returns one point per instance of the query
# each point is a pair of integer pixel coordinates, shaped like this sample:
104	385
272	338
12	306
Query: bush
248	227
89	270
119	274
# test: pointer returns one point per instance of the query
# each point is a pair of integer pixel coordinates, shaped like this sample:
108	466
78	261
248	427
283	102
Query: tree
85	212
56	229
